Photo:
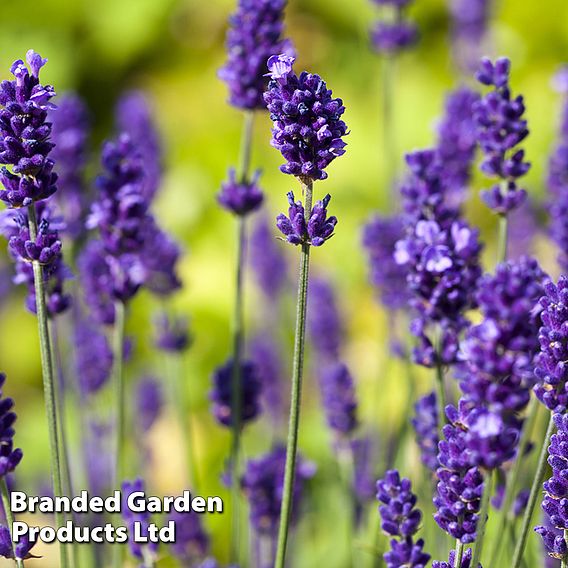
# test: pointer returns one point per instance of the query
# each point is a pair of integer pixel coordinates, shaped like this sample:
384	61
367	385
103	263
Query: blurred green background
172	49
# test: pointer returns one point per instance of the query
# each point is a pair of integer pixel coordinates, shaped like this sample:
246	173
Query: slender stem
535	490
246	145
483	516
459	553
389	150
503	238
346	463
48	379
511	484
296	394
8	512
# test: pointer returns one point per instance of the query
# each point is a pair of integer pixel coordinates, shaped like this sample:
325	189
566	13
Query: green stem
483	516
389	150
48	379
296	394
118	382
246	145
503	238
346	463
459	553
8	512
511	484
535	490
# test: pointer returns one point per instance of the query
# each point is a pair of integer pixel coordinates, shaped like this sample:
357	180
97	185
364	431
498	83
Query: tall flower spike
221	393
401	521
25	135
9	457
556	492
551	370
500	129
241	197
307	125
397	34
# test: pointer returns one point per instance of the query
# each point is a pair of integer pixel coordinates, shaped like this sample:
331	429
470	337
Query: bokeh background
172	49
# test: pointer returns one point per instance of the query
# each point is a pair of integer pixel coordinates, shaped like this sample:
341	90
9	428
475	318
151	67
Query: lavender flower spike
9	457
241	197
20	551
192	542
401	520
425	423
500	129
307	125
465	562
392	37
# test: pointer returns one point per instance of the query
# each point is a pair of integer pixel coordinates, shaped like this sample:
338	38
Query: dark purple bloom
315	232
19	551
338	399
70	134
266	357
551	369
149	402
401	520
324	320
93	357
500	129
465	563
221	393
9	457
172	334
263	482
130	517
25	135
426	423
254	35
241	197
380	236
134	117
556	492
98	456
307	125
460	484
268	261
192	542
390	38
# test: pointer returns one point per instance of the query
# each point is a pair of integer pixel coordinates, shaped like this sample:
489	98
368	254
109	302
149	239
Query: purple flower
551	370
380	236
268	262
263	482
172	334
401	520
394	37
425	423
307	125
149	402
143	519
324	320
339	399
241	197
25	135
315	232
192	542
93	357
500	129
221	393
254	35
460	484
70	134
9	457
134	117
556	492
465	563
9	549
98	456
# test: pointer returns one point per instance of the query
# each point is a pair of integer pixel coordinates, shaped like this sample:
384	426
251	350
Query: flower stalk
8	512
48	378
296	394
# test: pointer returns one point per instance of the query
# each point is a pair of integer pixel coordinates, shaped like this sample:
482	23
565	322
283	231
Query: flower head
192	542
425	424
172	334
241	197
255	34
307	125
465	562
19	551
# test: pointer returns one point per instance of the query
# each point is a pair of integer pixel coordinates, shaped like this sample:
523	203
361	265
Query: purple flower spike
9	457
315	232
465	563
401	520
262	483
241	197
393	38
221	393
307	125
551	370
149	402
25	136
500	129
8	549
425	424
556	492
255	34
172	334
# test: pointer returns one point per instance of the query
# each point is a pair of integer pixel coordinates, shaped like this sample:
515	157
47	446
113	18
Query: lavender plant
309	132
